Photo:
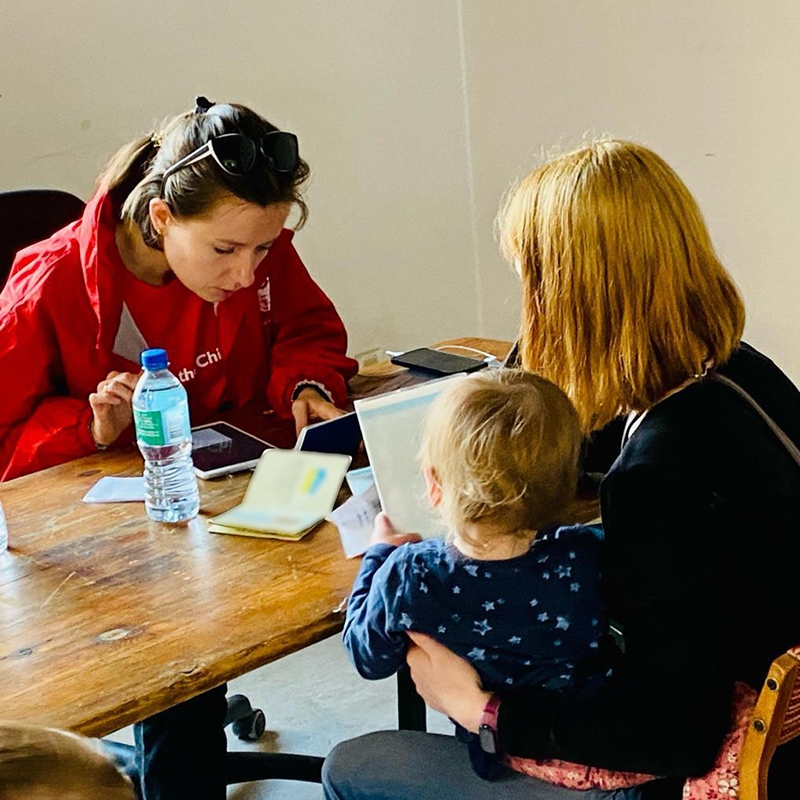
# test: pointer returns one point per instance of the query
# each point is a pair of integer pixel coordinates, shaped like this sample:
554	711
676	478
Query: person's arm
667	709
307	342
38	429
373	630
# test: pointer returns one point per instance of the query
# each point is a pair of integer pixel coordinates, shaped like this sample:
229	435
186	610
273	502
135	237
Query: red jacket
68	316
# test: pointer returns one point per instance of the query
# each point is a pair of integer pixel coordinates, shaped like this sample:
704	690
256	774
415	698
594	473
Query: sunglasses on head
236	153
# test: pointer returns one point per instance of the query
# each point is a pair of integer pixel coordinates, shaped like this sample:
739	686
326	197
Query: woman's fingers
103	399
300	414
446	681
322	409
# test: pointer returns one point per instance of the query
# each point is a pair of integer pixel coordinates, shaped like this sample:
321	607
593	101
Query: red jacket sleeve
38	429
307	340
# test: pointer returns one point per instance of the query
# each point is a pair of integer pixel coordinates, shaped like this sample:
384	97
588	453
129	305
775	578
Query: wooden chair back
775	721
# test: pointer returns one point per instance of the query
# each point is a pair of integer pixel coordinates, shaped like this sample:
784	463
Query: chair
775	721
30	215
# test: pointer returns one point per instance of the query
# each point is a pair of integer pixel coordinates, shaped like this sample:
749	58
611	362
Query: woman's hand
446	682
383	532
310	406
111	406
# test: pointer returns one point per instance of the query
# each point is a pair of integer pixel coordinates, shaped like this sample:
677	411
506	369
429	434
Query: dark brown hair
135	174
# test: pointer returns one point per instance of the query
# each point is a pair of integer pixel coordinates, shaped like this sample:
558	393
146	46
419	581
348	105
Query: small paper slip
359	480
290	492
116	490
355	519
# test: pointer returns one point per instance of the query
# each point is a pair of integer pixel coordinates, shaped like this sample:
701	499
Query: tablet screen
338	435
220	449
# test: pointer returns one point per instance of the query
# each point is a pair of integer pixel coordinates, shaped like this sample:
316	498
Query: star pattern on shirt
562	571
561	623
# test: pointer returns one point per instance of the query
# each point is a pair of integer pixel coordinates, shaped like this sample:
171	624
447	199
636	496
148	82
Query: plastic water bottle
163	433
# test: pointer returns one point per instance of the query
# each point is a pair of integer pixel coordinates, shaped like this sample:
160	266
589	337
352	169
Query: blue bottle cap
154	359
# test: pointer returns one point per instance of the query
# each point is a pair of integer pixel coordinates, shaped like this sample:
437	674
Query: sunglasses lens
280	149
235	153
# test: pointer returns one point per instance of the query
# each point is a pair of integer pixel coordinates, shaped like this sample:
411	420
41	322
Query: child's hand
385	533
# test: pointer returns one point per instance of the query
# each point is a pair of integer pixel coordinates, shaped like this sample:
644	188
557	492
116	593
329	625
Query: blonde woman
627	308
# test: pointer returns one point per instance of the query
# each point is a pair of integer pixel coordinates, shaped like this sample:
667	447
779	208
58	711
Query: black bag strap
794	452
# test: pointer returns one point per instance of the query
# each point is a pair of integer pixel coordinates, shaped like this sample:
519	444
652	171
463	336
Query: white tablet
221	449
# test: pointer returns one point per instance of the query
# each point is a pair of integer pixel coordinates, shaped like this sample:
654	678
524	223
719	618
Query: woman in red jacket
183	246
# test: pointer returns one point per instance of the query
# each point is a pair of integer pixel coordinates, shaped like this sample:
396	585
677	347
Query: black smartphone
435	362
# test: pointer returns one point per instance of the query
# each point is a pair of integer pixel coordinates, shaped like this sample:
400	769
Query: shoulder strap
794	452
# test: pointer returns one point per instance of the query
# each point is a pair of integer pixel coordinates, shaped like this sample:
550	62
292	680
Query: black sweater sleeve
667	709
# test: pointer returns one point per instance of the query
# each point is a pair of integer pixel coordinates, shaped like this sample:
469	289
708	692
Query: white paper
392	425
355	519
116	490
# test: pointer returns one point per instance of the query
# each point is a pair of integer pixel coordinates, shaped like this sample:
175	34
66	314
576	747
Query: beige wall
416	114
712	86
373	89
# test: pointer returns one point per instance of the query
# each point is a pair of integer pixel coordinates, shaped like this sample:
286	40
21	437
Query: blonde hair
504	446
623	296
43	763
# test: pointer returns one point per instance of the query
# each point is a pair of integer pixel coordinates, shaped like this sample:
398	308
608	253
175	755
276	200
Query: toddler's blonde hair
504	446
42	763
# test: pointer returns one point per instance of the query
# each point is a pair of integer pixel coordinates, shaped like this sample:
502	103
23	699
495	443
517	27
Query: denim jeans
396	765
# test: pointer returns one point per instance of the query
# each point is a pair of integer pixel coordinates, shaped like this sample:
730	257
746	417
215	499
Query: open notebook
392	428
289	494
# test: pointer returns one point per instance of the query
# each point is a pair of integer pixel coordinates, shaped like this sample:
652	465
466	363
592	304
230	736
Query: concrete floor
312	700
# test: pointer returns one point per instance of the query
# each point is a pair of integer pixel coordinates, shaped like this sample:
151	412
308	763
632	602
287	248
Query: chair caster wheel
251	727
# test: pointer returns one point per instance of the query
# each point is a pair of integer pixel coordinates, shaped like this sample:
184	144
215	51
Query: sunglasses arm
187	161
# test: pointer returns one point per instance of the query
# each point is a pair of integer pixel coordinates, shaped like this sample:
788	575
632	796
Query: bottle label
160	428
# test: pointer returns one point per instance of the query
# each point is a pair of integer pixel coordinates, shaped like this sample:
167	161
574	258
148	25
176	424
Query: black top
703	556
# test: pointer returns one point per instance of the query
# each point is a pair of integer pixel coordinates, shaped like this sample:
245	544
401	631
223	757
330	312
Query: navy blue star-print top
533	620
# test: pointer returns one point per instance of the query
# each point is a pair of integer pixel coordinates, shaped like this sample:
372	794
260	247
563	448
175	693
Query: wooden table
107	618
